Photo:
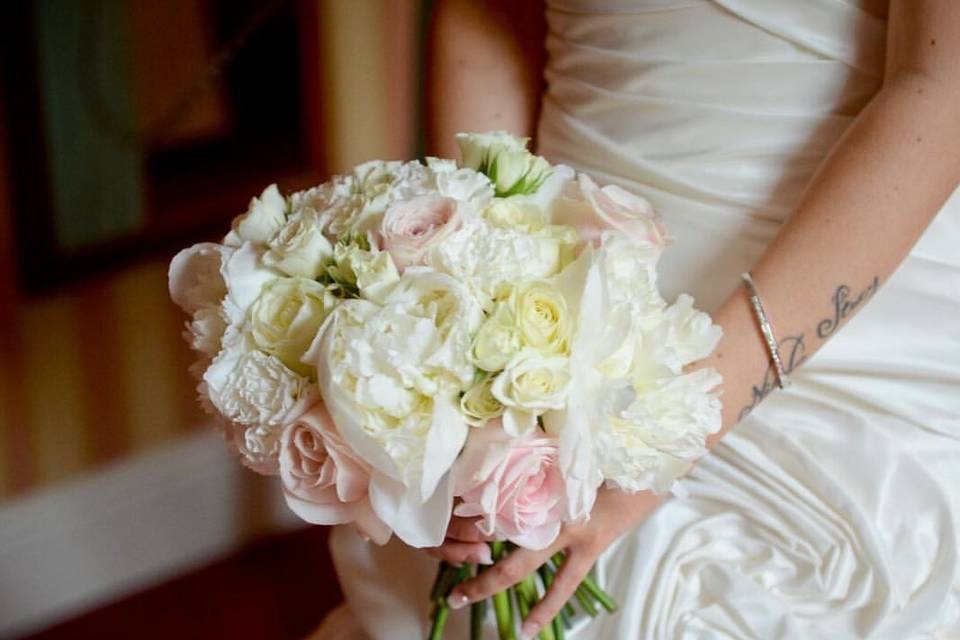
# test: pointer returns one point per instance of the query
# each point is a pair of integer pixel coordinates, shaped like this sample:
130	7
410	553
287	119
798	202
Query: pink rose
324	482
593	210
411	228
513	484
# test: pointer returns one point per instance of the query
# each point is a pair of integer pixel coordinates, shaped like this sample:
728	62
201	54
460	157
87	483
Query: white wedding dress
832	510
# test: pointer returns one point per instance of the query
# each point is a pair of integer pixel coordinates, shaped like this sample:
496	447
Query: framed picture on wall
137	126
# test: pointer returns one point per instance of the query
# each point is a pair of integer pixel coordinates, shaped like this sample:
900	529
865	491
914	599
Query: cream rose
508	213
410	229
285	318
479	404
370	271
530	385
497	341
542	319
299	248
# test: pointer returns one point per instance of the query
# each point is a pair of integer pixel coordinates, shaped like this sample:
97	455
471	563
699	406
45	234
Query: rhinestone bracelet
782	381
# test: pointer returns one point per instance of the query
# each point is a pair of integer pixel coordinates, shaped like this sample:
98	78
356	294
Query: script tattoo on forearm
793	352
793	349
843	306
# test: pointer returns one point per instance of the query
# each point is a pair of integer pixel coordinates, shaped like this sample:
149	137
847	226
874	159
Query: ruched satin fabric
832	510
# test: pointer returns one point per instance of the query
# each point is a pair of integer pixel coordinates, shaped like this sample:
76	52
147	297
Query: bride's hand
614	513
464	543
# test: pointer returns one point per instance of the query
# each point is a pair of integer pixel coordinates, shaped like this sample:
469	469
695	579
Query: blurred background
128	130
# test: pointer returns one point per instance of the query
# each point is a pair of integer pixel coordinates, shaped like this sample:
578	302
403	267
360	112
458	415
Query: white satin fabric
831	511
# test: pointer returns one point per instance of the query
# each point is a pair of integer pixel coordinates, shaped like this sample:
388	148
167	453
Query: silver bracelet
782	380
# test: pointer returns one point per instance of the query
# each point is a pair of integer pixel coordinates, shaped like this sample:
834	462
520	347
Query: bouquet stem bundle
589	595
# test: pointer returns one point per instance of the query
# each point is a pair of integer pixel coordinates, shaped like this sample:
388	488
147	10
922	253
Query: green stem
589	587
585	603
440	613
502	603
435	590
558	631
599	594
478	611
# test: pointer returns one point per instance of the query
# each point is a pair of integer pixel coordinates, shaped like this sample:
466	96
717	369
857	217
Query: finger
504	574
456	553
564	584
465	529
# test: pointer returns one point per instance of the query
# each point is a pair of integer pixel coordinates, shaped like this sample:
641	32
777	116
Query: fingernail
457	600
483	556
528	630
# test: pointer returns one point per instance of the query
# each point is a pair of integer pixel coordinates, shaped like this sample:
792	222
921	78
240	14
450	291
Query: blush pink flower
593	210
411	228
513	484
324	482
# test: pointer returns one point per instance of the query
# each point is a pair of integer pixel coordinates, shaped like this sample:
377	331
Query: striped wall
98	371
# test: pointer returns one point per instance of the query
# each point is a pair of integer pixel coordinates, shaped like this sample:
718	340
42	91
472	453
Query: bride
815	144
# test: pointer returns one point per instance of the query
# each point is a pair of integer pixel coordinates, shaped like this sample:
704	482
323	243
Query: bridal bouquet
412	341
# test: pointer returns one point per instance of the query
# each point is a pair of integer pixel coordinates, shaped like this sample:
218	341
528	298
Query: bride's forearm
484	69
864	210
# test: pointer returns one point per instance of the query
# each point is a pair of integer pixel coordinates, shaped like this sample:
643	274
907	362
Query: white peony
195	276
683	335
264	216
656	429
485	257
205	330
643	423
299	248
391	376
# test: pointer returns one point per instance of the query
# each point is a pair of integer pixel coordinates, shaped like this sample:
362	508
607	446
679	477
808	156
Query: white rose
370	271
465	185
264	216
285	318
245	276
299	248
530	385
